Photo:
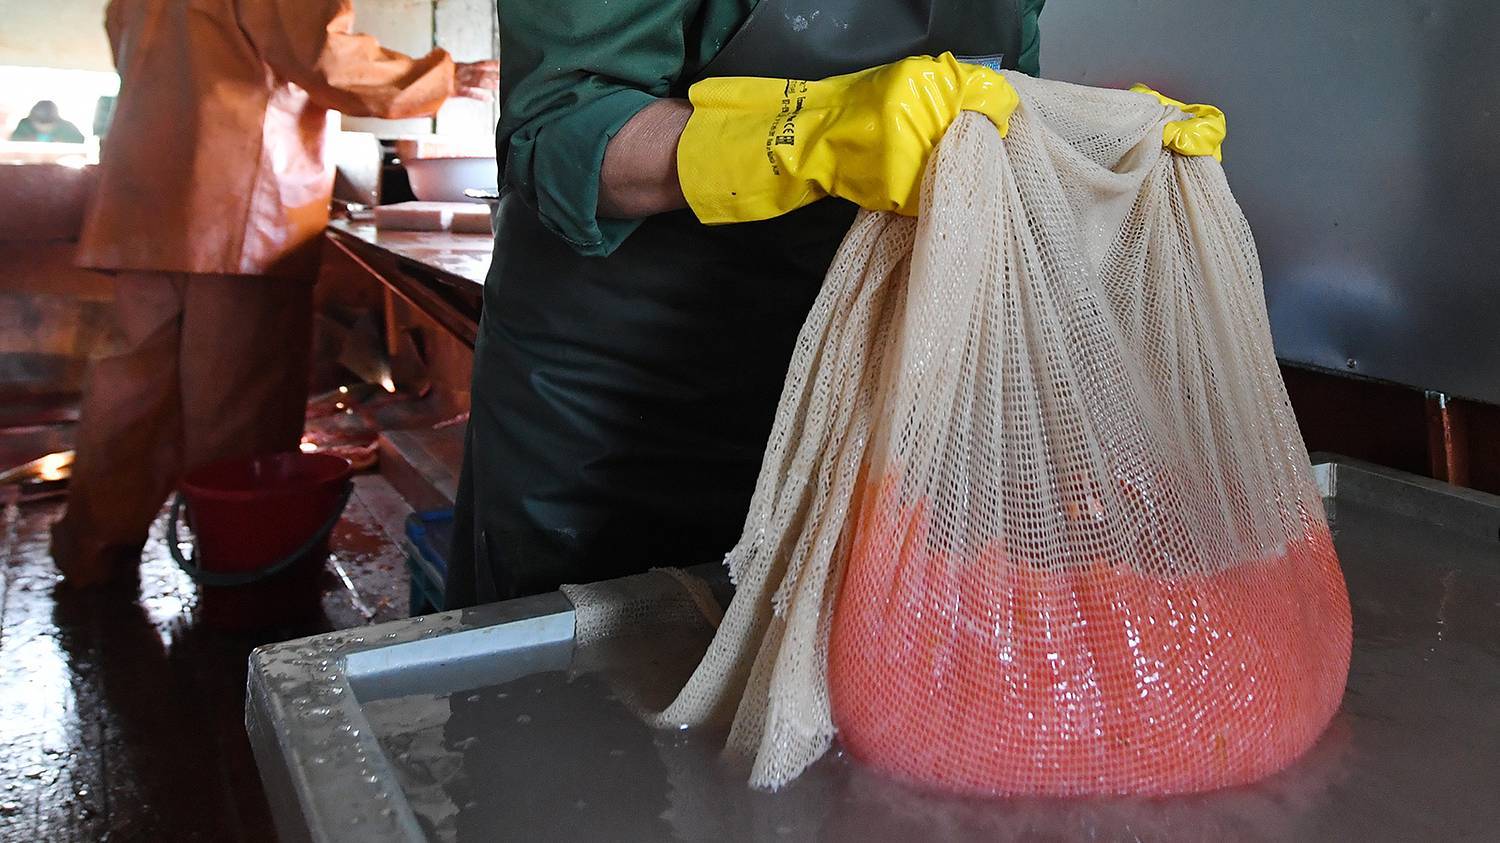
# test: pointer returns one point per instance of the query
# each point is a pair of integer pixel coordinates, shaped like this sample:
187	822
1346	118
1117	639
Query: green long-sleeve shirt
575	72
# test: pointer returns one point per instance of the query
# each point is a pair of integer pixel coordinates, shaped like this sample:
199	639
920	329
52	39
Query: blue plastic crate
429	535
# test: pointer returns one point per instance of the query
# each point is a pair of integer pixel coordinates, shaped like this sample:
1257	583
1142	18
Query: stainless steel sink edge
324	769
320	762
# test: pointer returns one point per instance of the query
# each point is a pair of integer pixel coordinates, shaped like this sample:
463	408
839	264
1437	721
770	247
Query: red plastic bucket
261	527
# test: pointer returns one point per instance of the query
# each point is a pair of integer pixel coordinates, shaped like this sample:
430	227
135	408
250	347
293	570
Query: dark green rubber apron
621	405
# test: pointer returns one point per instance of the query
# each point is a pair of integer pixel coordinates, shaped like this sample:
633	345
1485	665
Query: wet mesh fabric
665	600
1035	516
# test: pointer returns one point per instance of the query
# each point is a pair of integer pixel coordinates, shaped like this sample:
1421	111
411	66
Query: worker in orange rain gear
213	194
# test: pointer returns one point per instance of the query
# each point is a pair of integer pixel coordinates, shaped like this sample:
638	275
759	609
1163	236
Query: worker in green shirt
677	177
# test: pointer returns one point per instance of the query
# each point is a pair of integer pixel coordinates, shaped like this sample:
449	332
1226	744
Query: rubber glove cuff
1200	134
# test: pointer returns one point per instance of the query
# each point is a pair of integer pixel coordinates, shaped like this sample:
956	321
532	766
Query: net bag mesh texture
1035	516
664	600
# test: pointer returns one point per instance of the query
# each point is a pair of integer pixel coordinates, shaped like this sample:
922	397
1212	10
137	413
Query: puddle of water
1413	754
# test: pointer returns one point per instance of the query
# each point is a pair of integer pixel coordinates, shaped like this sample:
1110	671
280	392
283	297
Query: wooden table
440	273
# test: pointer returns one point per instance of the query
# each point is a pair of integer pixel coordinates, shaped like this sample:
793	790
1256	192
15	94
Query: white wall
66	34
469	29
404	25
466	28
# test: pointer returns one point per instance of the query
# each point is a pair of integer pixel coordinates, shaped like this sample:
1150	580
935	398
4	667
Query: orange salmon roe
994	676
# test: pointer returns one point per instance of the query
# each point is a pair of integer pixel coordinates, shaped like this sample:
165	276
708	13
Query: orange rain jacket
215	159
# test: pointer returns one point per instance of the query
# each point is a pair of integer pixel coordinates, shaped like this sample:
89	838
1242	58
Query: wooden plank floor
123	719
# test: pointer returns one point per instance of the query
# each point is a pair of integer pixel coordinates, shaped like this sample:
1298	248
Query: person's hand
477	80
758	148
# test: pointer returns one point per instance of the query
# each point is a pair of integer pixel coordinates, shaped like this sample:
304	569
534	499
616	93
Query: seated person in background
44	125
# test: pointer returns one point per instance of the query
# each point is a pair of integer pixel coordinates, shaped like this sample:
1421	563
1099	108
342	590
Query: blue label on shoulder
994	61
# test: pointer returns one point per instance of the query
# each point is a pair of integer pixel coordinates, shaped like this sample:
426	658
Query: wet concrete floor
121	714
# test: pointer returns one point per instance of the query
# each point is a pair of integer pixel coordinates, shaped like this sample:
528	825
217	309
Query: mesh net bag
1035	516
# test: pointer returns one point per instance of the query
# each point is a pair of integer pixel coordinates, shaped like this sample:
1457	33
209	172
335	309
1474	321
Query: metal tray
489	724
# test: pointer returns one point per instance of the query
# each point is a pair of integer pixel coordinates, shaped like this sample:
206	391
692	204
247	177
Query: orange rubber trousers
200	368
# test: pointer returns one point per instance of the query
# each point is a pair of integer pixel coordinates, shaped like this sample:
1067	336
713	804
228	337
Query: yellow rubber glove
1200	134
758	148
